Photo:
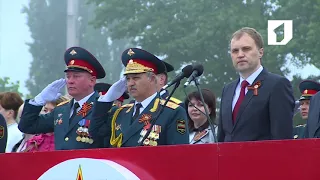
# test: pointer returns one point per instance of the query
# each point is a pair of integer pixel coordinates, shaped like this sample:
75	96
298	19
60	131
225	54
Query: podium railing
265	160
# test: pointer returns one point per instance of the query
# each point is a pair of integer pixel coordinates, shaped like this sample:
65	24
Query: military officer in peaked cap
3	134
102	89
70	120
127	126
308	88
163	80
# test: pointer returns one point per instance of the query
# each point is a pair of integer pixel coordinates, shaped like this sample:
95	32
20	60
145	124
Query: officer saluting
308	88
126	126
69	120
102	89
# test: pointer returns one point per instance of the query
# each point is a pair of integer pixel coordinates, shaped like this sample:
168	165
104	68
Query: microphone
186	72
197	71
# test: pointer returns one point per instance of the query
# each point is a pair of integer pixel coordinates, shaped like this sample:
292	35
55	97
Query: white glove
115	91
50	93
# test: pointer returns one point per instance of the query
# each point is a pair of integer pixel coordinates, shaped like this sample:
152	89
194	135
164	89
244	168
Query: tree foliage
7	86
47	21
190	32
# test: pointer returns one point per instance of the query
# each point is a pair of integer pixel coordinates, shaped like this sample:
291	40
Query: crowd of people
259	105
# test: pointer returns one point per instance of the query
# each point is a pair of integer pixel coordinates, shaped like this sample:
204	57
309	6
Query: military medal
78	138
146	142
60	121
83	139
90	141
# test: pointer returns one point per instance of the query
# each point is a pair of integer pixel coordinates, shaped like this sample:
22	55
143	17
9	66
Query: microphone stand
196	82
154	120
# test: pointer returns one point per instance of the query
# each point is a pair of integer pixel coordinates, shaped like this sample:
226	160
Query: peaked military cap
3	134
140	61
169	67
104	87
79	59
308	88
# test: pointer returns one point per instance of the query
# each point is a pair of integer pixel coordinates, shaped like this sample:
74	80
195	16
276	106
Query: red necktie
244	84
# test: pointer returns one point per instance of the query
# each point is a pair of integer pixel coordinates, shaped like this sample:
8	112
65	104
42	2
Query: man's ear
261	53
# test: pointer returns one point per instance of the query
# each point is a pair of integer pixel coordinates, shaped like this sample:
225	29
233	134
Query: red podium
267	160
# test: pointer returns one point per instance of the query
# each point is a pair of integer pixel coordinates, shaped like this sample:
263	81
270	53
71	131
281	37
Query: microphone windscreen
199	69
187	71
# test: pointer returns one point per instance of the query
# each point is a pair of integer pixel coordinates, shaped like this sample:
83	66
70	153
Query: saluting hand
51	92
115	91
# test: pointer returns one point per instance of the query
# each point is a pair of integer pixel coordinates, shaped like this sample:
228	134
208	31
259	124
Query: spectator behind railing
9	105
44	142
199	129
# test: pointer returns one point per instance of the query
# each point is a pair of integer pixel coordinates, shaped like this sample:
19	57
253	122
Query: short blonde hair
254	34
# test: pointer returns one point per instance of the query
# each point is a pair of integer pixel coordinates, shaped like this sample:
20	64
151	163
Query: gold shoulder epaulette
169	104
62	103
175	100
127	105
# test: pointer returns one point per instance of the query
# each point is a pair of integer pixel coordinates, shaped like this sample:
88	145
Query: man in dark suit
69	120
258	105
308	88
3	134
127	125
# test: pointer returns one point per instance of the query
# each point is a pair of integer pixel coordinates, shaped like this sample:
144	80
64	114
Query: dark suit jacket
265	116
65	133
313	125
169	120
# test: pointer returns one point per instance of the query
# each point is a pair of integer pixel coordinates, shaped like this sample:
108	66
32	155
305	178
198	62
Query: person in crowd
258	105
128	126
199	126
9	106
69	120
308	88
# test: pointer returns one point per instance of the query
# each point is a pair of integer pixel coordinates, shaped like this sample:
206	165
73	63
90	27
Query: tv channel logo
287	32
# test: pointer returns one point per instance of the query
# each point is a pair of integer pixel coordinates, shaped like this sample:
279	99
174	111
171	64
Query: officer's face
245	54
161	80
195	115
304	108
80	84
141	86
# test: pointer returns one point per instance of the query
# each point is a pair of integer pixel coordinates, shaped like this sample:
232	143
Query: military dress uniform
69	122
308	88
102	89
125	130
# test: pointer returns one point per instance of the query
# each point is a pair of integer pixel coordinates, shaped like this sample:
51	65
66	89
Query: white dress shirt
250	80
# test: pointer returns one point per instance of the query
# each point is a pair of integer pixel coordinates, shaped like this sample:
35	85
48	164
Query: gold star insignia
130	52
73	52
79	175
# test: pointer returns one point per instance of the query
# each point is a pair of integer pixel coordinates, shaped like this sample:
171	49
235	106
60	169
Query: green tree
304	46
189	32
47	23
7	86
